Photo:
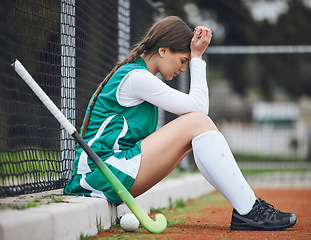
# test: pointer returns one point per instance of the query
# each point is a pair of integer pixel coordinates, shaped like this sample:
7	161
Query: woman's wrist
196	55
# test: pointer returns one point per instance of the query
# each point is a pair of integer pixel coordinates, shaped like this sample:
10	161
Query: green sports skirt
124	165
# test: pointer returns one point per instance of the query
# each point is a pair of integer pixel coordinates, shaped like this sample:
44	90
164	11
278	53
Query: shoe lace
265	208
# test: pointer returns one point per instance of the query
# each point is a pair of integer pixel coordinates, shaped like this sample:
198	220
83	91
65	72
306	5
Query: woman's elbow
207	110
203	108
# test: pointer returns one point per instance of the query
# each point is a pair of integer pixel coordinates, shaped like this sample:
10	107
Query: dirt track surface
209	218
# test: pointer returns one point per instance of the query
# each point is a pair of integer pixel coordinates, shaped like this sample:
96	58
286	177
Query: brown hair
170	32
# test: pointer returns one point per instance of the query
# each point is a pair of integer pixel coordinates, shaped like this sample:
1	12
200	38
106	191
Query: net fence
275	125
68	47
270	139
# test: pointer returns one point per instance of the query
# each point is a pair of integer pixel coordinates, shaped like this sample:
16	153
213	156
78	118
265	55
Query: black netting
141	20
29	136
68	47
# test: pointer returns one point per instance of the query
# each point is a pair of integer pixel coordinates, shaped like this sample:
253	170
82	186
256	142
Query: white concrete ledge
74	216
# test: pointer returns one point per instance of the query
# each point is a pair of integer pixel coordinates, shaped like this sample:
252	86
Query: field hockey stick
159	223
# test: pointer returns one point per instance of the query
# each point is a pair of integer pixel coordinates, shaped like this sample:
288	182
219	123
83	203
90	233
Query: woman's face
172	63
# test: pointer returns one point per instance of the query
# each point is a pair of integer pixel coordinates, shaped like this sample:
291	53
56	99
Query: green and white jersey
114	132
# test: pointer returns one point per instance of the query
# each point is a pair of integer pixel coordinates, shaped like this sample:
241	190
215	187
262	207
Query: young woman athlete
121	120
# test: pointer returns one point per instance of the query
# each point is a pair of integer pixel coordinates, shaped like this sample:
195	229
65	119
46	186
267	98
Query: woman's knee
199	123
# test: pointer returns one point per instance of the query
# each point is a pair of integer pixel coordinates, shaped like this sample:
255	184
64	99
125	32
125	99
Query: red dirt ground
209	218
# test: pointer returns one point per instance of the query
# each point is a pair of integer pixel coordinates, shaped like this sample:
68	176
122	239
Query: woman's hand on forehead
201	39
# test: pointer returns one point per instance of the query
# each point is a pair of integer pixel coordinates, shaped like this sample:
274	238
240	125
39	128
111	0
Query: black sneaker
262	217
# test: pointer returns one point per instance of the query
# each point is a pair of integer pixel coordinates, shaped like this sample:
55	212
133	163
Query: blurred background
259	78
258	72
258	95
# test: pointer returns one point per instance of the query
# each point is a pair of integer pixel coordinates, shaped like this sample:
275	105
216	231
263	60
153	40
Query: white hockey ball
129	223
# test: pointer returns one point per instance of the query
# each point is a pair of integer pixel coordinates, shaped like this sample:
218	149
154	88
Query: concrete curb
75	216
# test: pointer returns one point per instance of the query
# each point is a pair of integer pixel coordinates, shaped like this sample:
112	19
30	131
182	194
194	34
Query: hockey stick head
156	225
160	223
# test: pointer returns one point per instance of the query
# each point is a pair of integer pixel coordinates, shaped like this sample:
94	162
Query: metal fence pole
68	80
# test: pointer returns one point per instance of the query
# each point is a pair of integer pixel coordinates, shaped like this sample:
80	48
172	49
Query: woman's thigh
165	148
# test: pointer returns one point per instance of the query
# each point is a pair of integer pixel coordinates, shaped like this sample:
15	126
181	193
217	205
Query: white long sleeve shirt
140	85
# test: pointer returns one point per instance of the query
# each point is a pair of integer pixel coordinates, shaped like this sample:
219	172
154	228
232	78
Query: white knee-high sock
217	164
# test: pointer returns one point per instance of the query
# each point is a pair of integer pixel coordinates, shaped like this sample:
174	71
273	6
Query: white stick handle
23	73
